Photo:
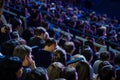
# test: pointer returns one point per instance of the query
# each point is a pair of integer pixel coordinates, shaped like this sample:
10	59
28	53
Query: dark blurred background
110	7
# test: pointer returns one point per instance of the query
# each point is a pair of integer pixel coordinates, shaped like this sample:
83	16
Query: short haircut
69	73
8	47
54	70
59	55
69	46
87	53
104	55
38	31
50	41
107	72
21	51
38	73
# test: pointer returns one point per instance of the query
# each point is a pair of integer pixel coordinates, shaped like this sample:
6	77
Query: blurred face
28	60
52	47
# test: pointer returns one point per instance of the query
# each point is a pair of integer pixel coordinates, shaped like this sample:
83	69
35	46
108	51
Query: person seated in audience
69	47
8	47
88	54
69	73
107	73
11	69
38	73
27	34
54	70
78	46
5	33
38	39
59	55
43	58
104	56
61	42
83	70
24	53
102	64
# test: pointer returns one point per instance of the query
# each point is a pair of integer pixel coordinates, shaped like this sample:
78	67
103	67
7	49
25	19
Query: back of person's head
101	31
69	47
54	70
27	33
107	73
8	47
38	73
10	68
16	23
78	46
102	64
83	70
21	51
59	55
87	53
90	43
61	42
69	73
104	55
38	31
50	42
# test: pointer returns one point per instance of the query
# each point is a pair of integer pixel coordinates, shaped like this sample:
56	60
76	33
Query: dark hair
61	42
107	72
69	73
83	70
104	55
38	73
102	64
39	31
69	46
21	51
87	53
59	55
50	41
54	70
8	47
9	67
15	23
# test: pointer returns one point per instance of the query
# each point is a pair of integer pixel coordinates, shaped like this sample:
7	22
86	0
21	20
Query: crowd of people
38	52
